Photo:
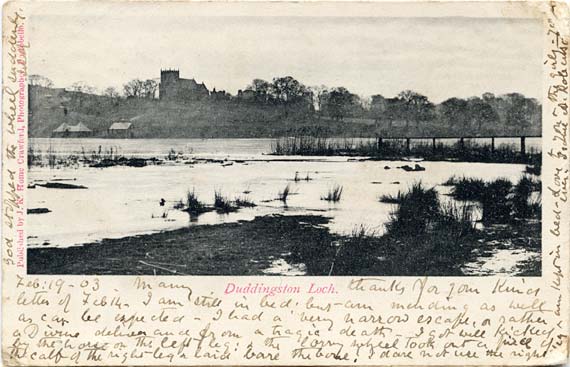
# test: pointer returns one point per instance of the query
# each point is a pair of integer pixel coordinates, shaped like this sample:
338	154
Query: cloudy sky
440	57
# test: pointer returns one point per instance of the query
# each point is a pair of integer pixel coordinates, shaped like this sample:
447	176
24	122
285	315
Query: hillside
153	118
238	118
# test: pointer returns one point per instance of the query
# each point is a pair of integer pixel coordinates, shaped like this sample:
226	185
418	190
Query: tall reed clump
501	201
354	254
417	210
391	199
534	166
34	156
334	194
193	205
222	203
52	159
495	202
455	219
468	188
425	234
525	204
283	195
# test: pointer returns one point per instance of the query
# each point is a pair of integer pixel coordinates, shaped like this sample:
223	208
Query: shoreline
253	247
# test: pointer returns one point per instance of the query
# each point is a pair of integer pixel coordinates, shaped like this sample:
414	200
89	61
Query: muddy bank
267	243
243	248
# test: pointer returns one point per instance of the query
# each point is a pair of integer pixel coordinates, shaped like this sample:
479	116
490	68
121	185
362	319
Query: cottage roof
62	128
121	126
79	128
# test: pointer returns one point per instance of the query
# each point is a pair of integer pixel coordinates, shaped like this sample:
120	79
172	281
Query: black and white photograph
180	143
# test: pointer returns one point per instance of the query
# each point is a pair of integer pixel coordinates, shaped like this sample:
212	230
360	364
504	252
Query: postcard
285	183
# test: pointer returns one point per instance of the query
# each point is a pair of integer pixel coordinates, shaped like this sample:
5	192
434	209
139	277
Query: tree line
513	112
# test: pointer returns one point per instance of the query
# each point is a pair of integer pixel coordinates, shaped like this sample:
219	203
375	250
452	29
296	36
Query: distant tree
481	113
111	92
261	89
415	107
454	113
82	87
81	90
519	113
288	90
340	102
39	80
487	97
149	88
134	88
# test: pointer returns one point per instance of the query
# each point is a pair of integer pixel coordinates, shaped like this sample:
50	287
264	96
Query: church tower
168	81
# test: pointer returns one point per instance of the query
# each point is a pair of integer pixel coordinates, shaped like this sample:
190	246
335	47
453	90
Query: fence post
408	145
379	143
433	145
493	144
523	147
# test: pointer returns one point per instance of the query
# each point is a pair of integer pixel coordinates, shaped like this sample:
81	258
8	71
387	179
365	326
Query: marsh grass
99	158
34	156
193	205
535	204
468	151
353	253
426	235
417	209
334	194
456	219
501	201
244	202
391	199
467	188
283	195
451	181
535	165
524	206
222	204
495	202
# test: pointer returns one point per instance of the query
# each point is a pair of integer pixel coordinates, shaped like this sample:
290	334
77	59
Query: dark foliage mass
283	106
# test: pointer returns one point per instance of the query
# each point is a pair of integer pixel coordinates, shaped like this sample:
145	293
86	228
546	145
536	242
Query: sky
440	57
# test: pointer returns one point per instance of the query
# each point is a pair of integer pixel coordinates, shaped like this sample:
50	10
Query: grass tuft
283	195
418	208
468	188
193	205
244	202
222	203
334	194
391	199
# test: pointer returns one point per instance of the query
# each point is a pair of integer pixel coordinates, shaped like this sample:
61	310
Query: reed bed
501	201
468	151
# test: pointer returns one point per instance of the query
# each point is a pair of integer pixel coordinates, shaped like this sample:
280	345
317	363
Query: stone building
121	129
172	87
220	95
